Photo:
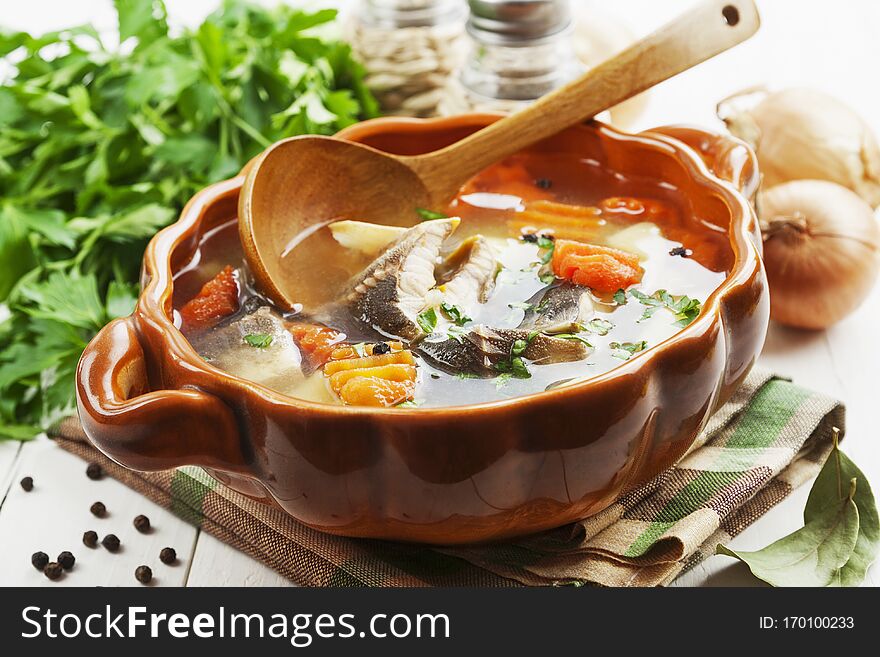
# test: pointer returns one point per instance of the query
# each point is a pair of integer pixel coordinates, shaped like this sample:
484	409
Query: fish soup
545	270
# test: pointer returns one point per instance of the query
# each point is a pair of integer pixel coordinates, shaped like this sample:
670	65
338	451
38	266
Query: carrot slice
316	341
598	267
566	209
374	391
348	351
391	358
397	372
217	299
599	272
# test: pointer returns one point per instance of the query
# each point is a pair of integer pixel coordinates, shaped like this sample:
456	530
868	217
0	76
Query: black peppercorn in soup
544	271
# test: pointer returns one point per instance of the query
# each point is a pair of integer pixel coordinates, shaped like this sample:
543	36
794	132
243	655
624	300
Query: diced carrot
602	273
387	372
391	358
316	341
348	351
217	299
598	267
374	391
565	209
565	248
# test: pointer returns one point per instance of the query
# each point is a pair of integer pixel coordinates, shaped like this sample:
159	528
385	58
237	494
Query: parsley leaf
258	340
454	313
625	350
620	297
430	215
427	320
101	147
599	326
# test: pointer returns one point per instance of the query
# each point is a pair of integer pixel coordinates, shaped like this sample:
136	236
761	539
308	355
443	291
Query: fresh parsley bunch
101	146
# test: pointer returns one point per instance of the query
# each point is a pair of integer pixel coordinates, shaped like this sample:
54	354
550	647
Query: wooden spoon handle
710	28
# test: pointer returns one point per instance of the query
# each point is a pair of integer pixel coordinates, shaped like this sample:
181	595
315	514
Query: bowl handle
727	157
150	430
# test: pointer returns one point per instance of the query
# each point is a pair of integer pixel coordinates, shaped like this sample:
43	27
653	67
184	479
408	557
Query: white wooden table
832	46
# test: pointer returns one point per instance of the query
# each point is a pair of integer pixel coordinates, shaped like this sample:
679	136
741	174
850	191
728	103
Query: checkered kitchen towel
768	439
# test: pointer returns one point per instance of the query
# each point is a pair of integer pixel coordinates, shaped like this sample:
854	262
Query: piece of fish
389	294
472	268
277	365
479	349
558	309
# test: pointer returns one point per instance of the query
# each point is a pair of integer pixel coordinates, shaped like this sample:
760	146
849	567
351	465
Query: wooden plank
53	517
217	564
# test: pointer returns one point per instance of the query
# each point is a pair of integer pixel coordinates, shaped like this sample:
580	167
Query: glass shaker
409	48
519	51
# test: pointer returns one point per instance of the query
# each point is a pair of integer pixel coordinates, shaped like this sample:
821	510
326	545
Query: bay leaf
814	554
828	489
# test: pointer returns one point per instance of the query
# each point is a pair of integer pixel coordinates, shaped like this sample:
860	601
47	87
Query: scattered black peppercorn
66	559
530	237
90	539
94	471
381	348
28	484
681	251
142	524
39	560
543	183
98	509
168	555
143	574
111	542
53	570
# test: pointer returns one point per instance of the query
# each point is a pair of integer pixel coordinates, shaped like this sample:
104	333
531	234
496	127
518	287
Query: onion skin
821	252
802	134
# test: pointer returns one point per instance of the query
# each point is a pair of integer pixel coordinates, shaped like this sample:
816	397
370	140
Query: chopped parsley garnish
522	305
573	336
410	403
516	367
429	215
427	320
547	277
599	326
454	313
258	340
466	375
684	308
625	350
548	245
519	347
620	297
502	380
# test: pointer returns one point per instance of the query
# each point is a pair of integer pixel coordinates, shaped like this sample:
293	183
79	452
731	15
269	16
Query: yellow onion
821	251
802	134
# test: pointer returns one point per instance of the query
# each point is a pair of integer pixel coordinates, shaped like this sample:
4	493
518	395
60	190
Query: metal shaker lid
518	22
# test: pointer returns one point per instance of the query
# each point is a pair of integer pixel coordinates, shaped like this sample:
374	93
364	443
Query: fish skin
385	299
563	308
479	349
277	366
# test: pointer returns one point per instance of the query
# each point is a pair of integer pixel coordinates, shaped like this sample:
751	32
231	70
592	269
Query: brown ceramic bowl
448	475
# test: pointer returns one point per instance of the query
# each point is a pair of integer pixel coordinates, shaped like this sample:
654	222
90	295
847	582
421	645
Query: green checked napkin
768	439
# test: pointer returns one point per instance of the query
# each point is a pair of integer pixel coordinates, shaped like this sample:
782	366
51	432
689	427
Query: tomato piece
217	299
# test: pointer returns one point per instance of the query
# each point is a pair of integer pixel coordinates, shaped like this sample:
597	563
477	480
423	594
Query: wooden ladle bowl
301	184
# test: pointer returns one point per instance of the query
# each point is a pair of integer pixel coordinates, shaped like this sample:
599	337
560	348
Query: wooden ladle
300	184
